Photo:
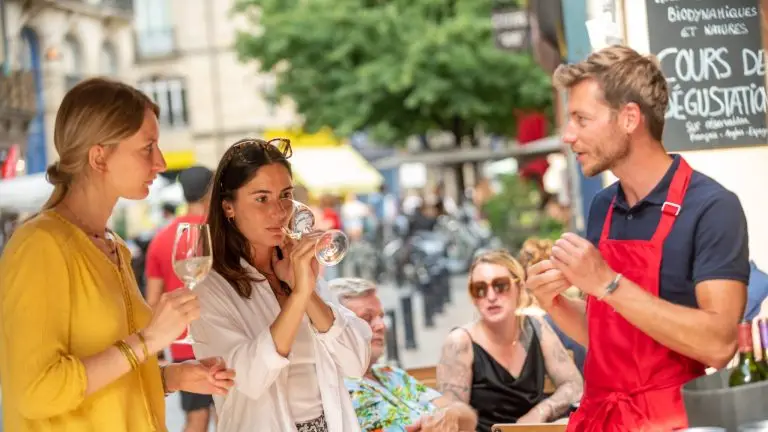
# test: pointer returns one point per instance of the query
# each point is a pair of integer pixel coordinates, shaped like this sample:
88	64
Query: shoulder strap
674	202
465	331
532	327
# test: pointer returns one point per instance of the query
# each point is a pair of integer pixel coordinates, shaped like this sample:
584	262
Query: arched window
71	61
25	54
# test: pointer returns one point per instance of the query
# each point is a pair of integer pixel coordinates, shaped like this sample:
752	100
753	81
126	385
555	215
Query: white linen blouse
237	329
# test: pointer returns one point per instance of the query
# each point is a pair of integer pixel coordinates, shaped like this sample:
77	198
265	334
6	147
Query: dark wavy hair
238	166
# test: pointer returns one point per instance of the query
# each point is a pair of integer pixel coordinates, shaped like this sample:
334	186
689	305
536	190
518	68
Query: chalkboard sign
511	28
712	55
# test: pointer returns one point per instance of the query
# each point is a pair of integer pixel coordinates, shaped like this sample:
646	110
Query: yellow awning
322	138
180	159
336	170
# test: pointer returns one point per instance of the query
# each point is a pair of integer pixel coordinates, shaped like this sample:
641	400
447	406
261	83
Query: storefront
324	164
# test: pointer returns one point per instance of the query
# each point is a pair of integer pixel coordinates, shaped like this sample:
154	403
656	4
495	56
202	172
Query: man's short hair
624	76
195	182
169	208
351	287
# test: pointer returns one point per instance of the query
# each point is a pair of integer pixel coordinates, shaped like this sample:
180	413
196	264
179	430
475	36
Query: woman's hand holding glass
330	247
298	264
303	257
172	315
192	258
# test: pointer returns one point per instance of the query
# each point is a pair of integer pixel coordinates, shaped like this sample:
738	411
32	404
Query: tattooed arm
454	371
560	367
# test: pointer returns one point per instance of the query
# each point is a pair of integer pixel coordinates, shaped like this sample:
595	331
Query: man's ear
631	118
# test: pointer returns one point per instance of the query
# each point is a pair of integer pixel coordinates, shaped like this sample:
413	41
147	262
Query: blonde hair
625	76
534	251
503	258
95	111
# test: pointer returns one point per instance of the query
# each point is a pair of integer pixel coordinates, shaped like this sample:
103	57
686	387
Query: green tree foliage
516	213
395	68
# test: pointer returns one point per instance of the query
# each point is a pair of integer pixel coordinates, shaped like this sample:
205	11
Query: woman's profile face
132	166
258	208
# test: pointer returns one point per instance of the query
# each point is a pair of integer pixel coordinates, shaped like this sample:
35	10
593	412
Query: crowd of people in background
280	346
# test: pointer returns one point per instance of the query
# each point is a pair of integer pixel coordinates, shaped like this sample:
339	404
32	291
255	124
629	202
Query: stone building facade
57	44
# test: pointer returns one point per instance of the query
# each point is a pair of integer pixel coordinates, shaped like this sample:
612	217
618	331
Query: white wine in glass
192	258
331	246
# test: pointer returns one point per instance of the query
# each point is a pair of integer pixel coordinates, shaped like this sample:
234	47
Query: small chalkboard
511	28
712	54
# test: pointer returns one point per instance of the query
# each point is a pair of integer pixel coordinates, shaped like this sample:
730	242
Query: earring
231	220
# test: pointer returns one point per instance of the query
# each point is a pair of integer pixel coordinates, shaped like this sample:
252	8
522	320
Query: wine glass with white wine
192	258
331	246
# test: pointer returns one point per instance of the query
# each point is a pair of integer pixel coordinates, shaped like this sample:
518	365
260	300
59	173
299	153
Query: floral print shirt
391	403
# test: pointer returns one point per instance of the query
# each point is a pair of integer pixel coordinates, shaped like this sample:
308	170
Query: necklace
486	331
109	243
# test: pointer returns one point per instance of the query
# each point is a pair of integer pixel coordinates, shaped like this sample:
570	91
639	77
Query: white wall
744	171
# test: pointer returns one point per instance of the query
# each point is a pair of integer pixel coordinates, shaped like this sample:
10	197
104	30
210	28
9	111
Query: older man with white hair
387	398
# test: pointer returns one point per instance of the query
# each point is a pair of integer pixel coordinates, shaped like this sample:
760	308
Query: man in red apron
665	263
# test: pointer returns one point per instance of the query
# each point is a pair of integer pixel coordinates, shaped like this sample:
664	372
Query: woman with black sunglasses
498	363
264	310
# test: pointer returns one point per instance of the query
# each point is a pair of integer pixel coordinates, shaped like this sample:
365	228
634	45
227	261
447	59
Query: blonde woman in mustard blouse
78	342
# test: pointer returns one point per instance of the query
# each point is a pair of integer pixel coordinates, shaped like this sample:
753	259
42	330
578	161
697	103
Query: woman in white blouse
289	344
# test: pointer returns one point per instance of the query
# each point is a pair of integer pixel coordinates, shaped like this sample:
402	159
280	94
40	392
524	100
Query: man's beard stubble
610	156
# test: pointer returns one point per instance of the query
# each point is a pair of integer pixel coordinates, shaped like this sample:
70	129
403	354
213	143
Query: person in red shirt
195	182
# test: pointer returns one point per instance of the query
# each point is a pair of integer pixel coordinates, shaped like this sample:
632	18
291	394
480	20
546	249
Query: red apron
632	383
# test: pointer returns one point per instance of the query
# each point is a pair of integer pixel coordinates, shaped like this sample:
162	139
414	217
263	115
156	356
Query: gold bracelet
143	345
128	353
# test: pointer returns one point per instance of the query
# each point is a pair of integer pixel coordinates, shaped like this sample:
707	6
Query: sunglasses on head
239	150
500	285
283	145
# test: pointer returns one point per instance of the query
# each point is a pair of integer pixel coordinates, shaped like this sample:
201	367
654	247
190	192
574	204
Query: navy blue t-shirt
708	240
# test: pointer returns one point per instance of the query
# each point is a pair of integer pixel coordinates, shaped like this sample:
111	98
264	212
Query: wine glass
331	246
192	258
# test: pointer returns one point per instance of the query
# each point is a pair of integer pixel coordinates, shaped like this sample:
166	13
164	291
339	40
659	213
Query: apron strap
674	202
607	222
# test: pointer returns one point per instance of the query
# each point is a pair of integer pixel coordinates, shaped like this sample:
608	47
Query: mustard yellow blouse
61	300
